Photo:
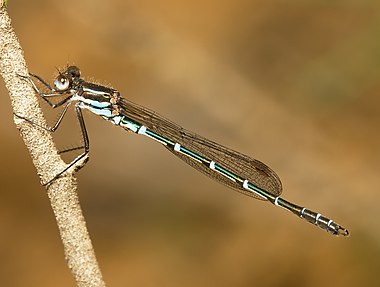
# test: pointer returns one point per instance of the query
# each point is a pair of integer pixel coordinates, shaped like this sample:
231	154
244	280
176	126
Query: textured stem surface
62	193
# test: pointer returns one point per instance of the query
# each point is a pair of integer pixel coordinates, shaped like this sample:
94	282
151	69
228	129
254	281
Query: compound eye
62	83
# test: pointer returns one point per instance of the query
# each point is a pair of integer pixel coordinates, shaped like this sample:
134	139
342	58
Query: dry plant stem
62	193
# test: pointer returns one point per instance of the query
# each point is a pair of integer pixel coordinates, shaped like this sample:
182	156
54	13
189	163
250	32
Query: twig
62	193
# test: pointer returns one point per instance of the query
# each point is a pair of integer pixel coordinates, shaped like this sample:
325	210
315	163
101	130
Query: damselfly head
72	72
64	80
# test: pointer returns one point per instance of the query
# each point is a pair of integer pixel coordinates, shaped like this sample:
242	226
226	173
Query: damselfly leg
78	162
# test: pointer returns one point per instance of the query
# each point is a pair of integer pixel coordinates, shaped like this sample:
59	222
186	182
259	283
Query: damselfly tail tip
341	231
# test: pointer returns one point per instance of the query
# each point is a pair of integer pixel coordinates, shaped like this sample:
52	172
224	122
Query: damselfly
233	169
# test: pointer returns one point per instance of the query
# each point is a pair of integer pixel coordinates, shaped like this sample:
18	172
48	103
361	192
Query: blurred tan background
292	83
